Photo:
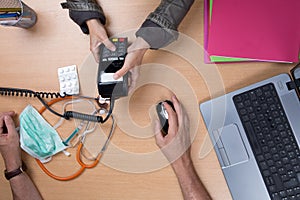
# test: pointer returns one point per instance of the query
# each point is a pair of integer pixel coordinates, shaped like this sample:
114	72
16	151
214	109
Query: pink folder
267	30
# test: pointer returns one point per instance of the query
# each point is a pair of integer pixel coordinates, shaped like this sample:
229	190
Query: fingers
133	59
109	44
173	121
122	71
10	113
96	55
157	130
98	36
96	42
134	74
1	122
3	126
10	124
177	105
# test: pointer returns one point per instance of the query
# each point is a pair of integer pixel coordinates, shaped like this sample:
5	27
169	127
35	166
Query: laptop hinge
295	84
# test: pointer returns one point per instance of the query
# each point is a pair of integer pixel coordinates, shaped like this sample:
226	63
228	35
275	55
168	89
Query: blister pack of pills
68	80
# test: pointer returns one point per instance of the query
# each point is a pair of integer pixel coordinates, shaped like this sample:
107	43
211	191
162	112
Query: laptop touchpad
233	144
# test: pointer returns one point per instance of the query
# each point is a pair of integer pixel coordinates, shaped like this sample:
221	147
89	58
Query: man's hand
133	77
136	52
176	147
176	144
98	35
9	142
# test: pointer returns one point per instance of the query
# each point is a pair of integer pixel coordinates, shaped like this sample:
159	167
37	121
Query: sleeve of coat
160	27
82	10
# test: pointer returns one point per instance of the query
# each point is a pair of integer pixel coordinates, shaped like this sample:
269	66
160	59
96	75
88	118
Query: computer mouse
163	116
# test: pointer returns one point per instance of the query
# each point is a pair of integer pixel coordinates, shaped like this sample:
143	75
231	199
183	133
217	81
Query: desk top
30	58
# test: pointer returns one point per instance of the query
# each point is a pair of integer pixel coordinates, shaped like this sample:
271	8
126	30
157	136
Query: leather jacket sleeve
160	27
82	10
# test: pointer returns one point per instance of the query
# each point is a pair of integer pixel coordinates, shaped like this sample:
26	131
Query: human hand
136	52
9	142
98	35
176	144
133	77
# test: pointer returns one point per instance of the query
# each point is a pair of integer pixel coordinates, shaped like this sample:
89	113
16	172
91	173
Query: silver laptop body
231	144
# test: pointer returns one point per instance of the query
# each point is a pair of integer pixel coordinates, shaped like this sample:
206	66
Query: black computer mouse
163	116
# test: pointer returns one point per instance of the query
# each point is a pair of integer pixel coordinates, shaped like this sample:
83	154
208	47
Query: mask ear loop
83	166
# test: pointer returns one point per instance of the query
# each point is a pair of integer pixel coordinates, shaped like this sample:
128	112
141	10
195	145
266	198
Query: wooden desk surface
30	58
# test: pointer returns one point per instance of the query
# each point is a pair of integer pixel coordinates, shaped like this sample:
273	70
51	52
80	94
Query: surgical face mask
37	137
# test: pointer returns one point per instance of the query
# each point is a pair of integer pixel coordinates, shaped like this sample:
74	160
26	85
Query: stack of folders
9	16
251	30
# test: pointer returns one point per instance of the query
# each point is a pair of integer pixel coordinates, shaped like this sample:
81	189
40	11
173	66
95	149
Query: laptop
256	136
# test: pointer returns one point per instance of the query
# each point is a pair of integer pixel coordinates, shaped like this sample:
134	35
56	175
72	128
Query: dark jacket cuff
156	36
80	18
82	10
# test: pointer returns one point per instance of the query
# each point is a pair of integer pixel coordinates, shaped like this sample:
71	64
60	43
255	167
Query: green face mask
37	137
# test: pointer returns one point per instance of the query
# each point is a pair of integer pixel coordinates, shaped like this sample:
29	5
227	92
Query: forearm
21	185
23	188
189	181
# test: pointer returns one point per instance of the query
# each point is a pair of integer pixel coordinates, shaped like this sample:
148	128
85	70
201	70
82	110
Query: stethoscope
79	152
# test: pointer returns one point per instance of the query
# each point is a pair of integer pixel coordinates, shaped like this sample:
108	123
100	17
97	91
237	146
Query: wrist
12	164
142	43
139	45
92	22
183	164
9	174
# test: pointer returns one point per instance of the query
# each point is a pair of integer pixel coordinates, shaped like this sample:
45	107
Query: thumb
121	72
109	45
157	130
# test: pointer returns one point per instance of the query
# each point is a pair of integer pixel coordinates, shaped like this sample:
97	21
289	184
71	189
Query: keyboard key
282	193
250	130
277	181
276	196
291	183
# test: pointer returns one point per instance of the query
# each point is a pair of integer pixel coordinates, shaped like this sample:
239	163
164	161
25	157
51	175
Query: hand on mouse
176	144
9	142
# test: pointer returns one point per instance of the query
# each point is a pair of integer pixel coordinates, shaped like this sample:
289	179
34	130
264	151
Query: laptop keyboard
272	140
